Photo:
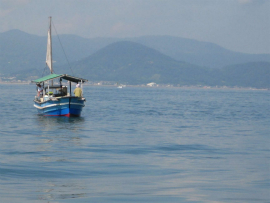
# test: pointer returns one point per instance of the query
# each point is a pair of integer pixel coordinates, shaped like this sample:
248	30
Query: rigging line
63	49
43	71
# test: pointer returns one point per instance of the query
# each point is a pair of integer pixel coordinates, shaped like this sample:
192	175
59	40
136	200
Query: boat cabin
51	91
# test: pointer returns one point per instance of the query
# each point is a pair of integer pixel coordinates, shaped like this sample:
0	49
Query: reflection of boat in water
56	100
56	122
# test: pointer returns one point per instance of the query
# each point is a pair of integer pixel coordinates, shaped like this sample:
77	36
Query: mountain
160	59
20	51
196	52
133	63
255	74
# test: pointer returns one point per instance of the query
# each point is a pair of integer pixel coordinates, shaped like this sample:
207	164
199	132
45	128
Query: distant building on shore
152	84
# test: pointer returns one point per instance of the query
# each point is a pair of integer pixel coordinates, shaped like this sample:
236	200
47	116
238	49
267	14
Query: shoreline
156	87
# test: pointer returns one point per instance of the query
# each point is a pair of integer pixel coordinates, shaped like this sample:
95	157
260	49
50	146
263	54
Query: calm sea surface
137	145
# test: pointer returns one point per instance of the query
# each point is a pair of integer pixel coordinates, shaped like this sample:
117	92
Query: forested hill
20	51
160	59
197	52
133	63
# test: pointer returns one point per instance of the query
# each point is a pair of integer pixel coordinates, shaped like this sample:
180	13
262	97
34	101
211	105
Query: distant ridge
196	52
160	59
255	74
133	63
14	33
16	45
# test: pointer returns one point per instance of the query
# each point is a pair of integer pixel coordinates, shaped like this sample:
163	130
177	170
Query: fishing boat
54	96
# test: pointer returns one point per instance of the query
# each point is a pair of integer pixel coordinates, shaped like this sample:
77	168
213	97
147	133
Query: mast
49	49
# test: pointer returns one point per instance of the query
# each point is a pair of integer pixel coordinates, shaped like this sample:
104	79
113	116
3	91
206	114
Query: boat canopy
63	76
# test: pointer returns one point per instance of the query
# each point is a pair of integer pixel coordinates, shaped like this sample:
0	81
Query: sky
238	25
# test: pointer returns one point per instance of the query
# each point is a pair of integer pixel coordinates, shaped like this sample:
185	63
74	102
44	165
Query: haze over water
137	145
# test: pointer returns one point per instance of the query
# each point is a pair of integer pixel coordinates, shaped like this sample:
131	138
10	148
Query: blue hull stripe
61	107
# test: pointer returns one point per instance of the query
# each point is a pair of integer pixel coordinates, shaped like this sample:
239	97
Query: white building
152	84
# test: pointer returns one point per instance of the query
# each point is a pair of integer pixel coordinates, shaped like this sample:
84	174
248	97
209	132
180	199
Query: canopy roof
63	76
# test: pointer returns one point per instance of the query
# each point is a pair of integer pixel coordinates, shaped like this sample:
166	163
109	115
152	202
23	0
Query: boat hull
66	106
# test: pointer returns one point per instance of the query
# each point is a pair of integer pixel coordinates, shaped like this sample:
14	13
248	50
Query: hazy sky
239	25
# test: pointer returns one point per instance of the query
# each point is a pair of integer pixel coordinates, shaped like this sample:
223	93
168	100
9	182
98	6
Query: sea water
137	145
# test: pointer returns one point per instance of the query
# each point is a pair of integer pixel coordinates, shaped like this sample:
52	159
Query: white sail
49	50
